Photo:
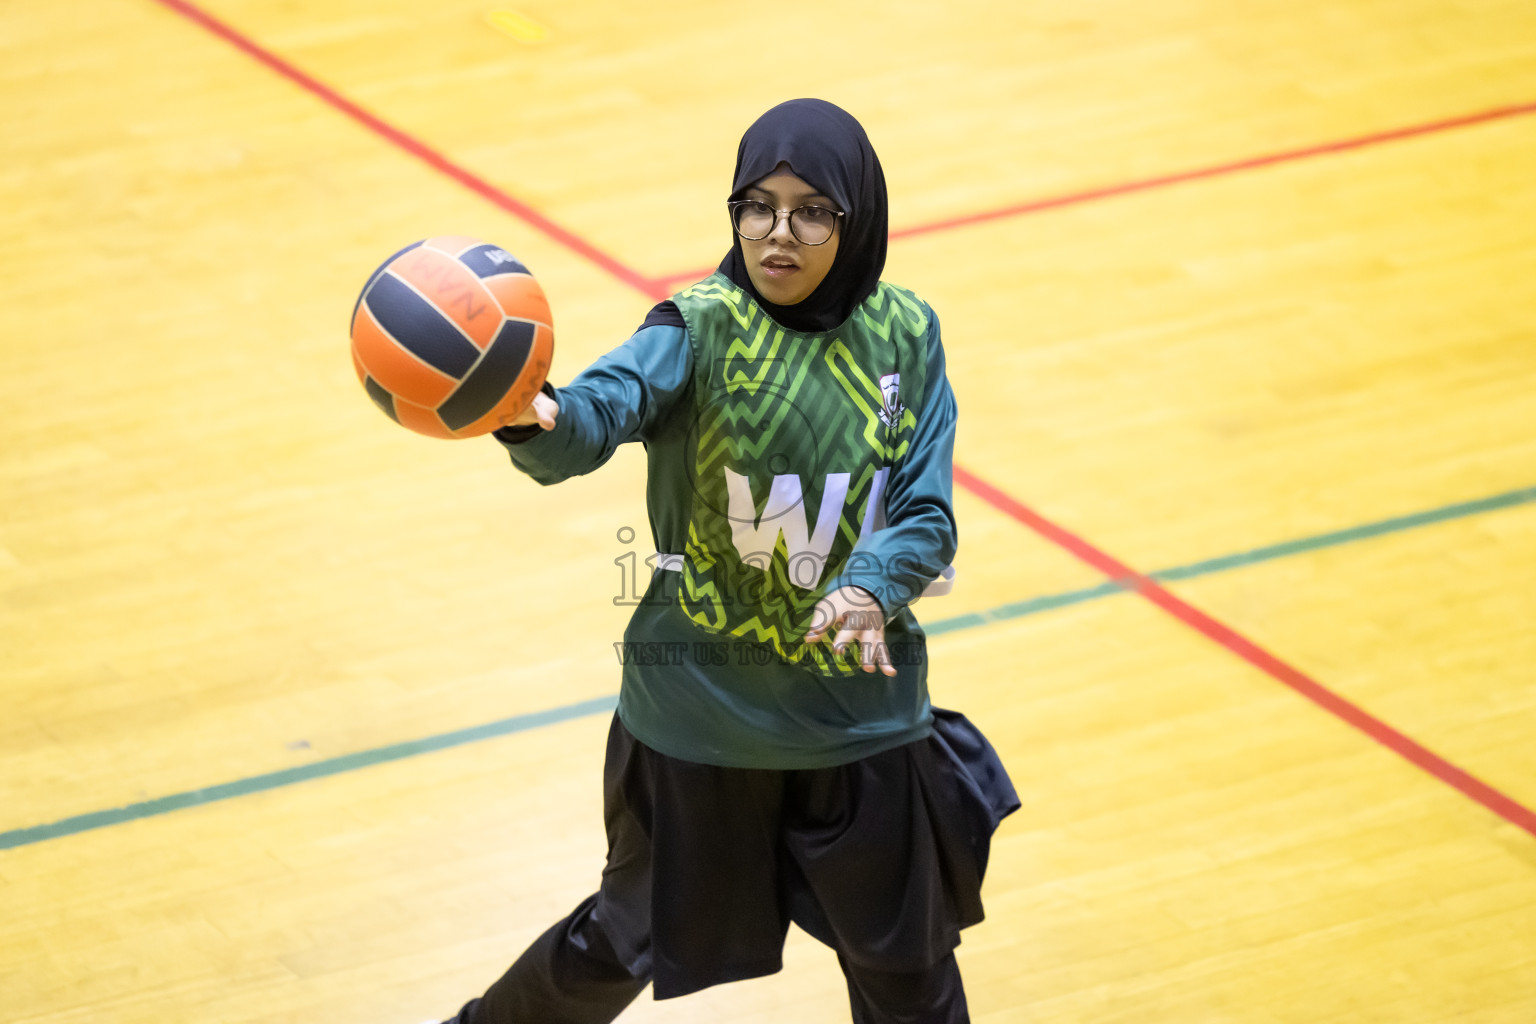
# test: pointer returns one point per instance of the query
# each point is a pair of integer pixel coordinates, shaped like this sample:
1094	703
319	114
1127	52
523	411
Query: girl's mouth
774	267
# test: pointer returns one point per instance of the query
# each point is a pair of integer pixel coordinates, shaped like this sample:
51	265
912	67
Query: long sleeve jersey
781	466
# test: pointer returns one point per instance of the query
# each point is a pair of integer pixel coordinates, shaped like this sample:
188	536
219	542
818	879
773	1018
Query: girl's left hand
856	616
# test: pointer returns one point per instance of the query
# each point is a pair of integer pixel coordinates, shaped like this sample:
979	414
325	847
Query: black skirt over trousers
881	859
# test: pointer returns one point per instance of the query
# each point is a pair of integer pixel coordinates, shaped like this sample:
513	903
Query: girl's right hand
541	413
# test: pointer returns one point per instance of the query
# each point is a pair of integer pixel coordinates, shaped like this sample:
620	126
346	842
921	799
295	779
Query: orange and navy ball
452	337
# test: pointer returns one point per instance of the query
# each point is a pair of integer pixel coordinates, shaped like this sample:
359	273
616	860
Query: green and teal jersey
782	465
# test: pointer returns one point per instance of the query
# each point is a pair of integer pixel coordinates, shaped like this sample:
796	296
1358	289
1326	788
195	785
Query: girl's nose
781	231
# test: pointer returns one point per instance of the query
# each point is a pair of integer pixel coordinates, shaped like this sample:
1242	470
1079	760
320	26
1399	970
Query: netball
452	337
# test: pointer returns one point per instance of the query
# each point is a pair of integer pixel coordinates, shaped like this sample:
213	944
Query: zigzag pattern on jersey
890	309
751	414
771	402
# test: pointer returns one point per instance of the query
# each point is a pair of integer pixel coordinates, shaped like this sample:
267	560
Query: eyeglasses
811	225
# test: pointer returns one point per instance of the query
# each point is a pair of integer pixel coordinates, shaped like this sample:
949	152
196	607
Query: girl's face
783	269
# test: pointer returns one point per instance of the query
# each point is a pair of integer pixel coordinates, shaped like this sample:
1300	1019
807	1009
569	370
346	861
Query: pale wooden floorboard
218	560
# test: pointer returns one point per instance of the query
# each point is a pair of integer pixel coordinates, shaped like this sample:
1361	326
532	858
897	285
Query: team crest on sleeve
890	396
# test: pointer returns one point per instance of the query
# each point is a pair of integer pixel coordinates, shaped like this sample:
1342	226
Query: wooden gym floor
304	714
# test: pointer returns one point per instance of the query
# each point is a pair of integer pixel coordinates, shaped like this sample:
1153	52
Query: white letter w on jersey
755	538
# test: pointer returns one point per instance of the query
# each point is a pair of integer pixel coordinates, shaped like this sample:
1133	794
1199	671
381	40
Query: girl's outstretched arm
622	397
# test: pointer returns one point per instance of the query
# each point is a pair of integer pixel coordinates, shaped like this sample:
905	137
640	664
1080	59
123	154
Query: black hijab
825	147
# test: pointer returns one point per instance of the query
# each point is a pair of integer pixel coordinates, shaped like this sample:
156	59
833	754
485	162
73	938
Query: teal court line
1285	549
303	773
601	705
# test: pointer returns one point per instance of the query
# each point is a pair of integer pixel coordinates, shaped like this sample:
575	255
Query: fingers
845	638
850	622
545	409
833	610
824	616
870	644
540	412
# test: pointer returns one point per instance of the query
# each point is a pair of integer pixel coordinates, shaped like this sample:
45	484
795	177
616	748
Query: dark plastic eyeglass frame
787	214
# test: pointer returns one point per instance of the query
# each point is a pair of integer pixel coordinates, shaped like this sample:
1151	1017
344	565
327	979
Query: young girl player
799	431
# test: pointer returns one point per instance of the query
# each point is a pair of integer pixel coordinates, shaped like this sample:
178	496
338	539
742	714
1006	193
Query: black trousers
880	859
571	975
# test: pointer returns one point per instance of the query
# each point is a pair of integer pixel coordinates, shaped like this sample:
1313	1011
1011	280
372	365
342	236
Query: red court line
420	150
1375	728
1214	171
1217	170
660	287
656	288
